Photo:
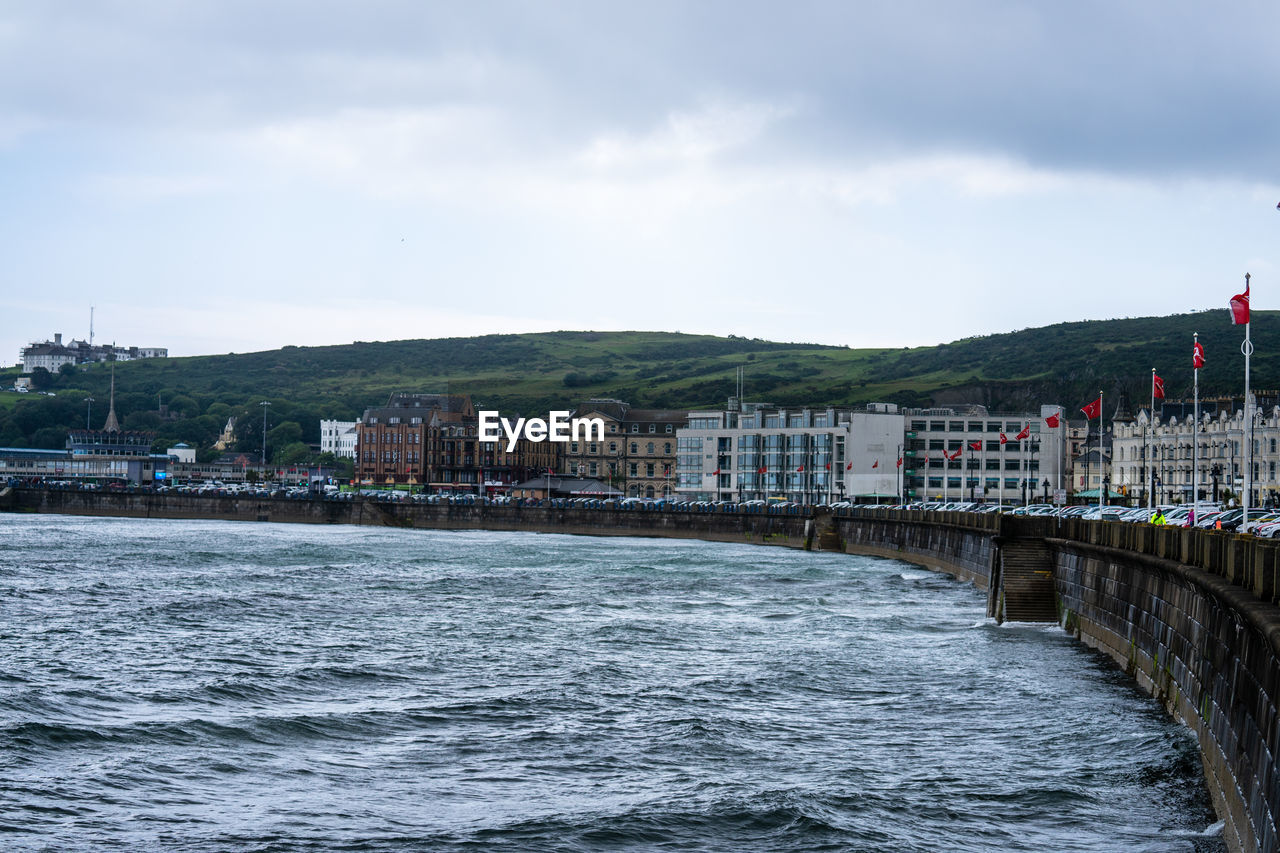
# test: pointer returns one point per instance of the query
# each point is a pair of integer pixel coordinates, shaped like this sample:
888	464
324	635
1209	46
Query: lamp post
265	404
1044	497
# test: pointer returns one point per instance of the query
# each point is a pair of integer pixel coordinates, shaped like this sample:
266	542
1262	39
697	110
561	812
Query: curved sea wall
959	543
1207	647
788	530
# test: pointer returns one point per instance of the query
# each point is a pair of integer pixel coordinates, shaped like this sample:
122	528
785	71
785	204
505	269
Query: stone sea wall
758	528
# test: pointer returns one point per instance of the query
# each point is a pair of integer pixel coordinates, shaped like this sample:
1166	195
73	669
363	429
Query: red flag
899	461
761	470
800	470
875	464
1052	421
715	473
849	467
1157	387
1004	439
1197	355
828	466
1026	433
975	445
954	456
1093	410
1240	305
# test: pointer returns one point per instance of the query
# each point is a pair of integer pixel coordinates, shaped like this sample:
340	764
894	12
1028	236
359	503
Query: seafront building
1155	456
638	453
968	453
432	440
758	451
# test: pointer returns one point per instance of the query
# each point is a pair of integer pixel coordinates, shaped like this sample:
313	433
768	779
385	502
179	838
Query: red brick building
431	440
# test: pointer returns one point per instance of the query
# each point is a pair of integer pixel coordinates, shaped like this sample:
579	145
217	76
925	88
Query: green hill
529	374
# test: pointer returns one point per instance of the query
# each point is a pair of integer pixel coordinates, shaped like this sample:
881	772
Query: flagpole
1151	498
1023	453
1100	407
1195	428
1062	450
1247	349
901	496
946	473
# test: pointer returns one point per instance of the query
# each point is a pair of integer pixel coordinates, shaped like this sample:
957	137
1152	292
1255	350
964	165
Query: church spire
112	425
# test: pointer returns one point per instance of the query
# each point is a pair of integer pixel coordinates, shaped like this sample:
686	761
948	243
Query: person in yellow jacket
1158	517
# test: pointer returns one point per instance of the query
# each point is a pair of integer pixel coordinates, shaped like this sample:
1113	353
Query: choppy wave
204	685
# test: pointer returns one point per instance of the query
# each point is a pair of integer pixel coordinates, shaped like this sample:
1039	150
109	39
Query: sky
238	176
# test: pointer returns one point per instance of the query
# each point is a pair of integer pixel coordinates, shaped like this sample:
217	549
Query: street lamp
265	404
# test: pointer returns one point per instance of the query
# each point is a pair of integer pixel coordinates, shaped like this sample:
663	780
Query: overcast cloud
237	176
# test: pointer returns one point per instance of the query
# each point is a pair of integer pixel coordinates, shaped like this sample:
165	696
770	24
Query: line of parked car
1207	516
1263	522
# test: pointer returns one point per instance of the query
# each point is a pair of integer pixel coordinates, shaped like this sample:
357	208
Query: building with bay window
1154	458
757	451
638	452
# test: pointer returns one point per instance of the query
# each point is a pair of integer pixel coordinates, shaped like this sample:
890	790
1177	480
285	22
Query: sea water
200	685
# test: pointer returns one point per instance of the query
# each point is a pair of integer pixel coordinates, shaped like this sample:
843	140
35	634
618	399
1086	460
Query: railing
1245	561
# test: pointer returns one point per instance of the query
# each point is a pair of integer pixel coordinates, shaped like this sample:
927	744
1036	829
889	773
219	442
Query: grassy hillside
532	373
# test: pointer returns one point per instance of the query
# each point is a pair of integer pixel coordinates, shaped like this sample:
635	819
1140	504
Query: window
635	448
669	428
649	447
635	427
653	427
648	469
633	469
613	447
666	449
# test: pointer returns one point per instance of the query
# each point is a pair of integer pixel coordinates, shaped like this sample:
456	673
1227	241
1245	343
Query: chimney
57	338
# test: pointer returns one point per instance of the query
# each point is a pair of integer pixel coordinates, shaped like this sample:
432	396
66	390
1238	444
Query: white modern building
338	438
757	451
971	454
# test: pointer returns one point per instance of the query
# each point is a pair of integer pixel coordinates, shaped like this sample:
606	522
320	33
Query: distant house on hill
51	355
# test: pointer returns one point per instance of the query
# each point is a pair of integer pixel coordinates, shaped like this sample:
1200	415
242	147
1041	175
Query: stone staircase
1027	592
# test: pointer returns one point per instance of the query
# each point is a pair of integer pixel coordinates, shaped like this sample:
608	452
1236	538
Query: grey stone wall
961	544
1208	650
786	530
